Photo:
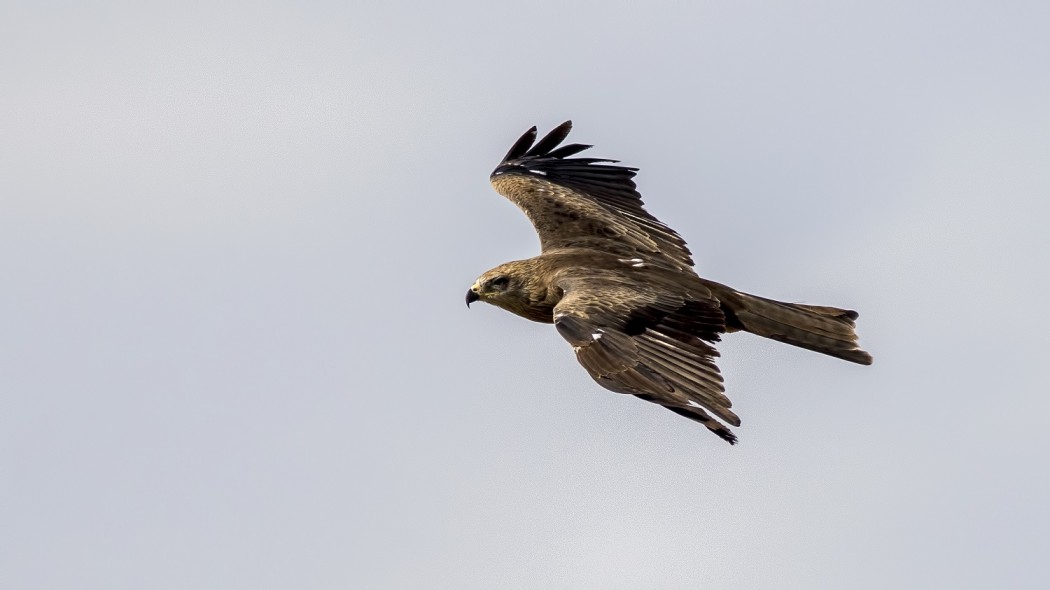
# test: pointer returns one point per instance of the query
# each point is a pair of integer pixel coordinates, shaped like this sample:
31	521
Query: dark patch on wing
699	319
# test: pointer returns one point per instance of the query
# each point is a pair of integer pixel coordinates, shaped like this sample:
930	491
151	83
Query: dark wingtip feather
551	140
598	177
547	148
699	415
862	358
568	150
521	146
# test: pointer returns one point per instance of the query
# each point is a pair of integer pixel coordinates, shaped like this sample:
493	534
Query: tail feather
823	329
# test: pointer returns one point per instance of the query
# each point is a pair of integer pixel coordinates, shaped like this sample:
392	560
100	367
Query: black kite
619	286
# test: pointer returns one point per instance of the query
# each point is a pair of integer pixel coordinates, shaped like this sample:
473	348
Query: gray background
235	239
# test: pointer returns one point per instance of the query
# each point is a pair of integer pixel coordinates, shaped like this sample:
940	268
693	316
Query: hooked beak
472	296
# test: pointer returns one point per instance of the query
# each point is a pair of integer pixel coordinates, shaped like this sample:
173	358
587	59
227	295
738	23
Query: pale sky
235	239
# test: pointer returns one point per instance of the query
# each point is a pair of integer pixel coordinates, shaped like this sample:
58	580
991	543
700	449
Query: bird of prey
619	286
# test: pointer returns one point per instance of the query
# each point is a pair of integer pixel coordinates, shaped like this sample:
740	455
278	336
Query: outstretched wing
584	202
650	341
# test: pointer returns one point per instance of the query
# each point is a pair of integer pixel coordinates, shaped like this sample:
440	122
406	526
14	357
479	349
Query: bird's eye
499	283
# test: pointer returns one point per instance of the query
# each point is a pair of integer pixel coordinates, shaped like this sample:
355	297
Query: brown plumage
619	286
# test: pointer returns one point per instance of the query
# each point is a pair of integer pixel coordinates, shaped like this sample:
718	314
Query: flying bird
619	286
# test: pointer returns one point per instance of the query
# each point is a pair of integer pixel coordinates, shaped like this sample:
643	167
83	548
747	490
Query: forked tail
829	330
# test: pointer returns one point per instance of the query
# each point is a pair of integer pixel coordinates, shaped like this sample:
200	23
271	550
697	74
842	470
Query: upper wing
649	341
584	202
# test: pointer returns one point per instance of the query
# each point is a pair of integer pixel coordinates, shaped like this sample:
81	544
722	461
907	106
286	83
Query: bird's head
519	287
522	287
502	286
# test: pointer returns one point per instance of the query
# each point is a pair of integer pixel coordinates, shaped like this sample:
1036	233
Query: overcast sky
235	239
